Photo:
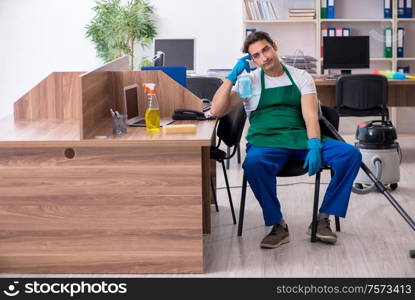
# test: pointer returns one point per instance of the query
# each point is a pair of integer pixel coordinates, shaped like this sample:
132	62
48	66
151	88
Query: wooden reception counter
76	199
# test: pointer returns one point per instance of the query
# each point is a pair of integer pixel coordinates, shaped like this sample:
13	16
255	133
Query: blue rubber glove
240	66
313	159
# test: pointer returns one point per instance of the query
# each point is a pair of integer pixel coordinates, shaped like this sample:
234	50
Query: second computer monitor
177	52
346	53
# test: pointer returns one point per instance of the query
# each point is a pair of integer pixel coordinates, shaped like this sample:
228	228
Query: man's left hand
313	159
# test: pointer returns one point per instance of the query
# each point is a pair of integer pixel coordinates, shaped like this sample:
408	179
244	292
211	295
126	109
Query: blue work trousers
262	164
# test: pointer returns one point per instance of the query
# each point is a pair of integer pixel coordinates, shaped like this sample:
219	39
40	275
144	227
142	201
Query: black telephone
188	114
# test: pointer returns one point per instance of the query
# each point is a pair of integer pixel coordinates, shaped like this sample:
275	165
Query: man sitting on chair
283	115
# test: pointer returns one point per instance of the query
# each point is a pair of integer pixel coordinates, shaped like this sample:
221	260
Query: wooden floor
374	241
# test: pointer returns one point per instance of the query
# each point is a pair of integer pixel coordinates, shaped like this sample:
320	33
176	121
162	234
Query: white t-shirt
301	78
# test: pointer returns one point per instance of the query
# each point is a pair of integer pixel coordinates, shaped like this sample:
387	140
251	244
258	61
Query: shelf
280	21
375	59
356	20
358	15
406	20
381	59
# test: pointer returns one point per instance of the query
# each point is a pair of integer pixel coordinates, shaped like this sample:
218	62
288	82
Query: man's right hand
240	66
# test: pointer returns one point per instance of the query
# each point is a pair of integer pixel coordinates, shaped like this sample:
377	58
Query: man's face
264	54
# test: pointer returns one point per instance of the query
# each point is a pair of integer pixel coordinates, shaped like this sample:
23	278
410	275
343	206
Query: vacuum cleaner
380	152
378	184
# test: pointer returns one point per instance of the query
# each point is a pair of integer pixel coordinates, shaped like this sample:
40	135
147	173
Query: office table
401	92
127	204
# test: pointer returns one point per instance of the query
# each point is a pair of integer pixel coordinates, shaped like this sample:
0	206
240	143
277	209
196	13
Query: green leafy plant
145	62
116	29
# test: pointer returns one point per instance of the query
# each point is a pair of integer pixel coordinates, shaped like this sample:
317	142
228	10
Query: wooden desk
128	204
401	92
74	203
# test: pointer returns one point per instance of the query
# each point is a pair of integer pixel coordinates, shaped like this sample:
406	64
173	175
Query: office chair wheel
394	186
412	253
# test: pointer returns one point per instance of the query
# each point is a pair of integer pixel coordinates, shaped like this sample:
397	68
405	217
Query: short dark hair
255	37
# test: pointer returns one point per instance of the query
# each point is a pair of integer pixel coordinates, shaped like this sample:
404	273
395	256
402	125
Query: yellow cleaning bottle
152	116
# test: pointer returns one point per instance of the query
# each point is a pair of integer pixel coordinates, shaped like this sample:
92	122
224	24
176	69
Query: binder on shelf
401	33
256	8
346	31
339	31
403	69
323	10
331	14
264	10
324	33
401	8
332	31
388	42
387	9
252	9
261	9
248	10
408	9
271	10
274	11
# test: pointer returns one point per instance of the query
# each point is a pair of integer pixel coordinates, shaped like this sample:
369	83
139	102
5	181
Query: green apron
278	120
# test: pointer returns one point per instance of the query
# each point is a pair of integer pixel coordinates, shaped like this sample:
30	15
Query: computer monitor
158	59
351	52
176	73
131	103
177	52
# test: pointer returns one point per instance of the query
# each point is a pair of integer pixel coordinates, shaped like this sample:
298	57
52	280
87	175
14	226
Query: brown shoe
324	232
277	237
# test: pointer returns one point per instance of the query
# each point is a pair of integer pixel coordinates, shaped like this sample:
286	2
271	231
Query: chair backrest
231	126
358	93
331	115
203	87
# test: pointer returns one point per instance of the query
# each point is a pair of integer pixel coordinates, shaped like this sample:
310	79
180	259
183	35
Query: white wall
38	37
215	24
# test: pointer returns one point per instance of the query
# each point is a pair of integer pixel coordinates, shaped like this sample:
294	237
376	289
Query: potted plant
116	30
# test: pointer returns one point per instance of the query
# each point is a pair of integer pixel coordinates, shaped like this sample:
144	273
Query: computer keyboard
139	123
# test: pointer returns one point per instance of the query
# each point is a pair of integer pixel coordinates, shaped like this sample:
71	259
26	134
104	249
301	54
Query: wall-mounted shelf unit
362	17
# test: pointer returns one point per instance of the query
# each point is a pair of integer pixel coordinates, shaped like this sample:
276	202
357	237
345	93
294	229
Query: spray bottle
152	116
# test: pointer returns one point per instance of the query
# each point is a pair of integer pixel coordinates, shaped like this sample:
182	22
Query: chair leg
337	219
315	208
214	194
228	161
239	153
229	192
242	206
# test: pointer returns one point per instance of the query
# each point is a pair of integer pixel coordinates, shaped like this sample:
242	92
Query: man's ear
274	46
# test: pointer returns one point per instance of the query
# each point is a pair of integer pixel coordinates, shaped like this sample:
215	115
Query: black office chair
362	95
205	88
229	130
294	167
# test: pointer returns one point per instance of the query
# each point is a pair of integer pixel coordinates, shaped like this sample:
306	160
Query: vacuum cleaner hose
378	171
